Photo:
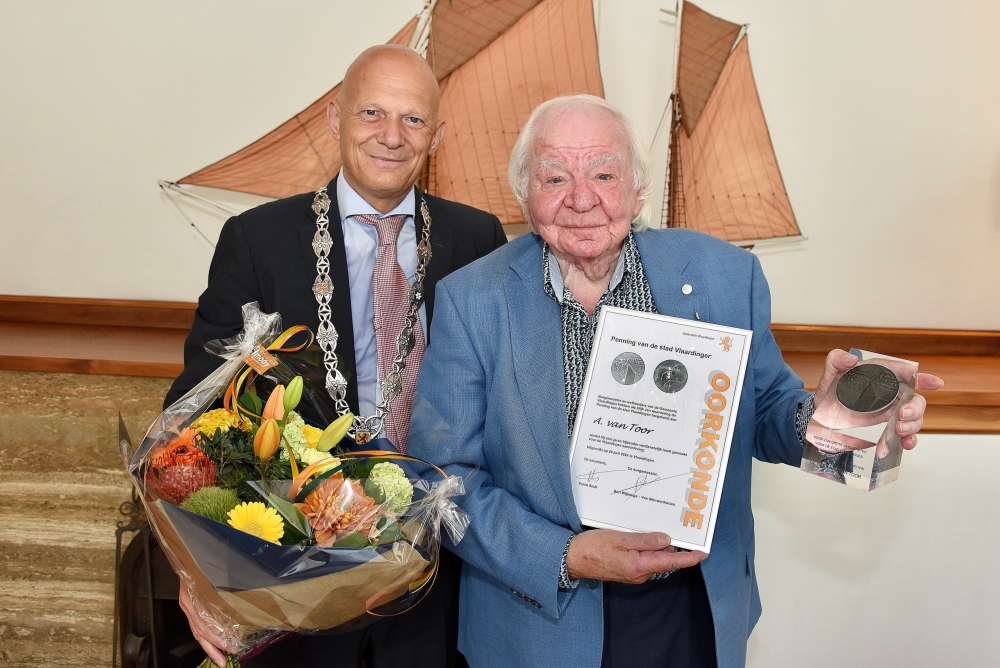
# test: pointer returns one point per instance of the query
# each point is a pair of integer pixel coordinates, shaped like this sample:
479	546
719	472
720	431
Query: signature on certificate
594	476
642	481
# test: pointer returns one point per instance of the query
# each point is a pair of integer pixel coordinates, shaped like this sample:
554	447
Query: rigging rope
171	187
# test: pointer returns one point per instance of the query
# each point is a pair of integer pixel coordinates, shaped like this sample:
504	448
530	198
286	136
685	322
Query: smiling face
386	121
581	198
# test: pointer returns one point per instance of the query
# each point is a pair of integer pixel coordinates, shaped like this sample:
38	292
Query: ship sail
496	60
723	177
551	51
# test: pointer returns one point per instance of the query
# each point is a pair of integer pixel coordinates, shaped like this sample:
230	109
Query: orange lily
267	440
275	406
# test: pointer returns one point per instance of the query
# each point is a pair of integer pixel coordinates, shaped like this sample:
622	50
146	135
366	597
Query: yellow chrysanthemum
312	435
222	419
309	456
258	520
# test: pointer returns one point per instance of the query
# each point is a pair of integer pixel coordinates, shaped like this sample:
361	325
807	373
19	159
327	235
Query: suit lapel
442	251
340	301
666	266
538	367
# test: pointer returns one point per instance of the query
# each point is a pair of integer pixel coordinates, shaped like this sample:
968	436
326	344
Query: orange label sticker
260	360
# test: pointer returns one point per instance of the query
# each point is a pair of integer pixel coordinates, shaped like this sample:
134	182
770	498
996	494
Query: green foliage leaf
375	492
390	534
251	402
235	462
291	514
353	540
293	537
231	662
267	487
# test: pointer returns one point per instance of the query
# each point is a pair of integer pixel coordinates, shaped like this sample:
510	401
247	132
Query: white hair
639	160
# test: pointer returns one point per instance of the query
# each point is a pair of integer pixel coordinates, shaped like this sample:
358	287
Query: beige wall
102	99
902	576
883	115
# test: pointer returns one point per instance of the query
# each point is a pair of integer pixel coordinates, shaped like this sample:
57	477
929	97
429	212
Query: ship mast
674	109
422	33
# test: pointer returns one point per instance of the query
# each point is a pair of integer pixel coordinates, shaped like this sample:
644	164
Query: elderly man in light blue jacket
499	391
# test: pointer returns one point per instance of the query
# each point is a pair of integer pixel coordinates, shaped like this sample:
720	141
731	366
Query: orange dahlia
336	508
179	468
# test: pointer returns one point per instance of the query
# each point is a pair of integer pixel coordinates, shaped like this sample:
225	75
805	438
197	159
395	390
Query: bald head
395	59
386	119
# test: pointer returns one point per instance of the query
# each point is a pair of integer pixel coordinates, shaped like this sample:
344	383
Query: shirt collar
555	278
350	203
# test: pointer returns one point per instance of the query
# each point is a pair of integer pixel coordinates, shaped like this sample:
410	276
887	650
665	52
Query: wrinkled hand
911	414
209	639
603	554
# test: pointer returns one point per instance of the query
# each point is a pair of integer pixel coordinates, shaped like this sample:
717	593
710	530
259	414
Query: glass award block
852	437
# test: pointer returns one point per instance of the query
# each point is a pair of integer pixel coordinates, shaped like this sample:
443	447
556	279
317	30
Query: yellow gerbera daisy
258	520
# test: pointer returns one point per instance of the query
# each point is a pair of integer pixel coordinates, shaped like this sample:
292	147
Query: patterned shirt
629	289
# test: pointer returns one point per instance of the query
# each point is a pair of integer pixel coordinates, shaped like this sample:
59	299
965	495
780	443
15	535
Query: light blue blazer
491	407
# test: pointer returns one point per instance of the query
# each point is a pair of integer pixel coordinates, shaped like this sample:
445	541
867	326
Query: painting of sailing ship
723	177
495	61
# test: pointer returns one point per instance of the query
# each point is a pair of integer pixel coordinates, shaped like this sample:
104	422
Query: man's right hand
209	638
632	558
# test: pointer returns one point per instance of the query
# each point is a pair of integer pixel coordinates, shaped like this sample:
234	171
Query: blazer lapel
538	367
666	267
340	301
442	250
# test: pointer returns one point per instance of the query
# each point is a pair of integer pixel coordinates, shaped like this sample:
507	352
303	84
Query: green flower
300	444
391	480
293	434
212	502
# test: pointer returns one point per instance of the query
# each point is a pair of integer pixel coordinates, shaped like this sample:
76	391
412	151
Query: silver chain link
364	425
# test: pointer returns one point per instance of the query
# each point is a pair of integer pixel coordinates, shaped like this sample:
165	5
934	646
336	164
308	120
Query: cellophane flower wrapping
351	539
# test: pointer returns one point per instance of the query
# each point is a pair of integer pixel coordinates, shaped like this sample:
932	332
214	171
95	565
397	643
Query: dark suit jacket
265	255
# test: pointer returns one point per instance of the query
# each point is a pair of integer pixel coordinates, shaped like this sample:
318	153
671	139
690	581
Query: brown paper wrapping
320	603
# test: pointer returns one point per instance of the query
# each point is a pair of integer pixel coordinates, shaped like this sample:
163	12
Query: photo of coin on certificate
652	436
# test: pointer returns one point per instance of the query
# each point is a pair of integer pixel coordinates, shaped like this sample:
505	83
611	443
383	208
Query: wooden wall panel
105	312
139	338
887	341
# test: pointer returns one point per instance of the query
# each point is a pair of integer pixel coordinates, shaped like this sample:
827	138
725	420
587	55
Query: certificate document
655	424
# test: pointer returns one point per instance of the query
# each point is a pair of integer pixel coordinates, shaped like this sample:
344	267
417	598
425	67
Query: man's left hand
911	414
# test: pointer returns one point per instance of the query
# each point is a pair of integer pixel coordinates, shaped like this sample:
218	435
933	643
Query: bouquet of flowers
271	525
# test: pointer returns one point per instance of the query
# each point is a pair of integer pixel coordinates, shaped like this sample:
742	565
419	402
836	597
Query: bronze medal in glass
867	388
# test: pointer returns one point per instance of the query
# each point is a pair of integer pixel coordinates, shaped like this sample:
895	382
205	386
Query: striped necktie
391	292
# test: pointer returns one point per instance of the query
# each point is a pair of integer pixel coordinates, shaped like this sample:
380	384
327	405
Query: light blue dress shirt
361	243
